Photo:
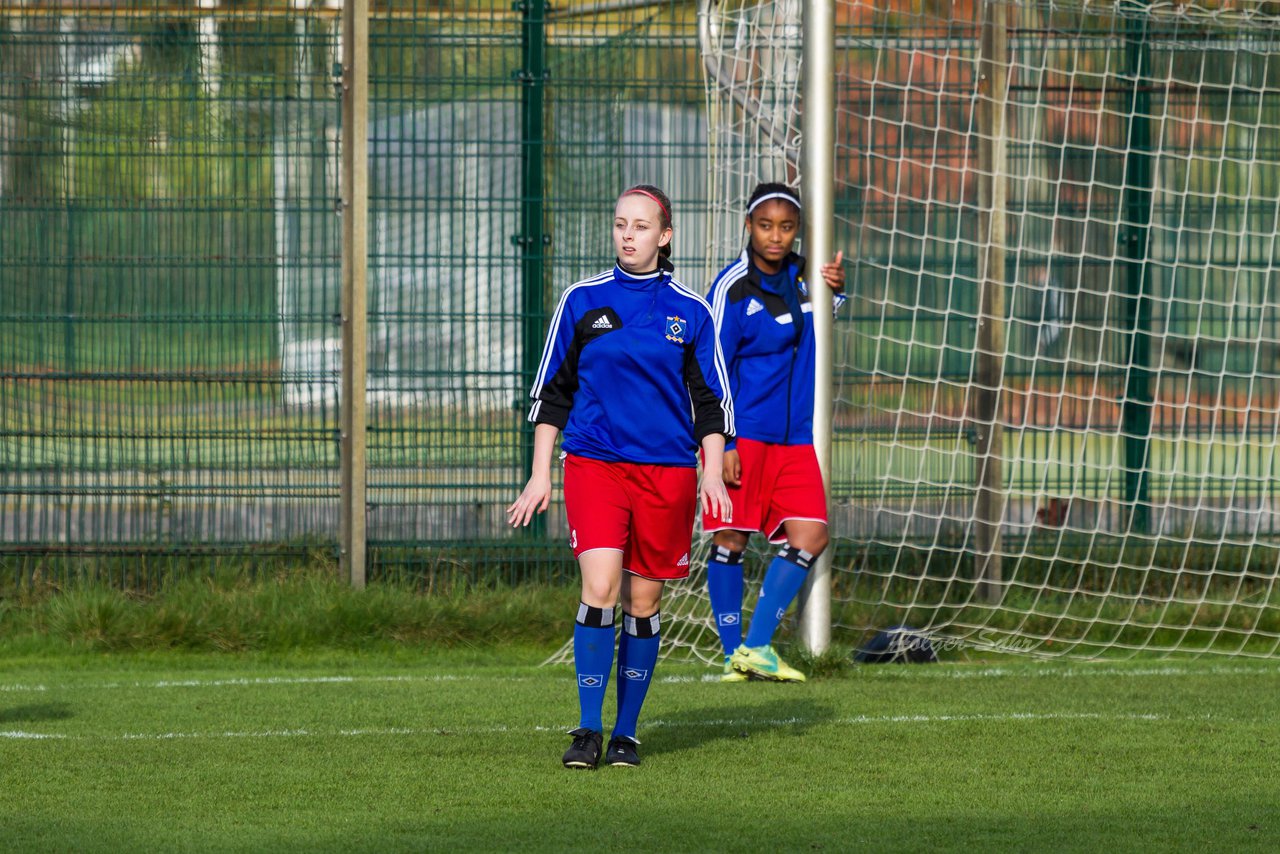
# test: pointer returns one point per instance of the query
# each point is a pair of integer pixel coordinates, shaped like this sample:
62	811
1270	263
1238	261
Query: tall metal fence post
533	238
988	369
817	177
69	289
355	249
1135	414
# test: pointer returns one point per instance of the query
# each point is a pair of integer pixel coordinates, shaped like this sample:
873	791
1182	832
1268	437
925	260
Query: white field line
882	671
1074	672
250	682
909	672
906	672
773	723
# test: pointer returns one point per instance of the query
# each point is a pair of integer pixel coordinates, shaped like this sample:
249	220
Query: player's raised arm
833	273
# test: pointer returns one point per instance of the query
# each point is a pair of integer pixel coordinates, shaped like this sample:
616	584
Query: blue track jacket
632	371
768	345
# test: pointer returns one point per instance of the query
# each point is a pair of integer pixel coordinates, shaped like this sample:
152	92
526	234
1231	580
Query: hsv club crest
675	329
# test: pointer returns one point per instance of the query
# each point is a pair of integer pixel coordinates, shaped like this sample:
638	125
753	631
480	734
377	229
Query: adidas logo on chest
754	307
602	322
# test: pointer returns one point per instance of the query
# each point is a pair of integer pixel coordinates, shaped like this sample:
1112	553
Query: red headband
652	196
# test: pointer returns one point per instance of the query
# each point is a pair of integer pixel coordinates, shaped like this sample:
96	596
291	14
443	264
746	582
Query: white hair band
767	196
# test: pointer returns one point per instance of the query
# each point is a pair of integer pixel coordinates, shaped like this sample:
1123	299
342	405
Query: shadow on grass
692	728
36	712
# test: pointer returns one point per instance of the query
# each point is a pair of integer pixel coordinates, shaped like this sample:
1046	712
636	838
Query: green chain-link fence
170	253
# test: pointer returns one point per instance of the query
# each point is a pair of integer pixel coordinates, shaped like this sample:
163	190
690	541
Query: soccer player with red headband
632	373
763	319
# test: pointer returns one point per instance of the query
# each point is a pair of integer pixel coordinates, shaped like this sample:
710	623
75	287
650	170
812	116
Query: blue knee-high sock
782	581
592	659
637	656
724	586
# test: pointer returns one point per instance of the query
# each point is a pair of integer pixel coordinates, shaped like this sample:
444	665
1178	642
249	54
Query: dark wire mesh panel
499	142
168	254
170	265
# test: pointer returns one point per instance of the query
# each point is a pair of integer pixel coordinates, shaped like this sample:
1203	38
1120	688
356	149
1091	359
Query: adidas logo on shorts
602	323
753	307
684	561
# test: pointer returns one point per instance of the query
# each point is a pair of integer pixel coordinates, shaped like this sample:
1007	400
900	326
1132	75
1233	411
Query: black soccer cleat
584	753
622	752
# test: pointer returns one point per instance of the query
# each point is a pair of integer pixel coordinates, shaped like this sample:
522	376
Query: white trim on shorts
685	577
782	523
731	527
600	549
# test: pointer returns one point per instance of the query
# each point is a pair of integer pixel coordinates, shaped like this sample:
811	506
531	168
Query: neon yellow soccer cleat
761	662
731	675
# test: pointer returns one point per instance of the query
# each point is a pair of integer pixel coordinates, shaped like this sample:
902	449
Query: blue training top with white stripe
766	335
632	371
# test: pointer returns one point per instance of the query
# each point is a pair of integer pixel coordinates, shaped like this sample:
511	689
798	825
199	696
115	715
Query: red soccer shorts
644	511
779	482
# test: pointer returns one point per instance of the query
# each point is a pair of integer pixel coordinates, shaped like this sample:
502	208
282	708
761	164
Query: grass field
458	749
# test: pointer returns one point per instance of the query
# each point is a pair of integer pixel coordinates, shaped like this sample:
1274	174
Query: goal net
1137	365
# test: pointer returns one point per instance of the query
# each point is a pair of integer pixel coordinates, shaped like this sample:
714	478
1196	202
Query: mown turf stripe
448	731
887	671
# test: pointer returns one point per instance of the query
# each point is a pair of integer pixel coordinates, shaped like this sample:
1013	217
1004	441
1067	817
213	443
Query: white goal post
817	188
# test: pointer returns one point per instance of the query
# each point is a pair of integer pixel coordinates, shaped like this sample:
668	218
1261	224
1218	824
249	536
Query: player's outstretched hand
715	497
534	499
833	273
732	469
